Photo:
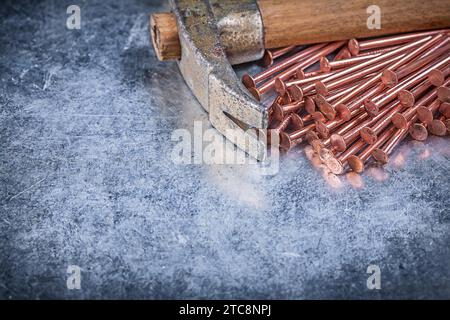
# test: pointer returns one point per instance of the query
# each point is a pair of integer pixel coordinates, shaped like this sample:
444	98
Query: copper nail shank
356	46
391	94
250	81
272	54
312	58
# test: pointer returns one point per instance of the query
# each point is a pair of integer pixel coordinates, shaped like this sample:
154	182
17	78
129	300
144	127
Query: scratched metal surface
87	179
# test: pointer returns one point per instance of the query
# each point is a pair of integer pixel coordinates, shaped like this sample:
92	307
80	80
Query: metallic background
86	178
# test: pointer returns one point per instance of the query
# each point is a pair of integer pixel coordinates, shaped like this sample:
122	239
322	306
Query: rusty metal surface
87	178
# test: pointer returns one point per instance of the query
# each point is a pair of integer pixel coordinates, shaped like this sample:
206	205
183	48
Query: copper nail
288	140
296	122
408	97
370	134
418	131
281	86
437	127
355	147
295	92
378	59
330	111
324	128
394	63
403	52
251	81
342	54
340	142
343	127
377	51
271	54
279	100
382	154
311	136
337	164
359	101
287	73
447	124
327	66
281	126
325	107
304	75
373	80
357	113
400	120
443	93
280	111
425	113
324	86
283	123
445	109
437	77
356	46
307	118
391	77
319	116
356	162
359	89
310	105
376	103
334	95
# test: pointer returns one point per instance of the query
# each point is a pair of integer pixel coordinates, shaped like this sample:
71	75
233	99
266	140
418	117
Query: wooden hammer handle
164	32
289	22
295	22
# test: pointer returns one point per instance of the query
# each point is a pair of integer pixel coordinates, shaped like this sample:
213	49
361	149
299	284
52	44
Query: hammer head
213	35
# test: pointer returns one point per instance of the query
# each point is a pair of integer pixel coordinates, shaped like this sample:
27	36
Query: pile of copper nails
356	108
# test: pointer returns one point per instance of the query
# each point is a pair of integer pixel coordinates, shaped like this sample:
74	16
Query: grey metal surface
87	179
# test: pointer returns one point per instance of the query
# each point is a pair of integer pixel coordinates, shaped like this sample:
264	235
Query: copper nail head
356	164
418	132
